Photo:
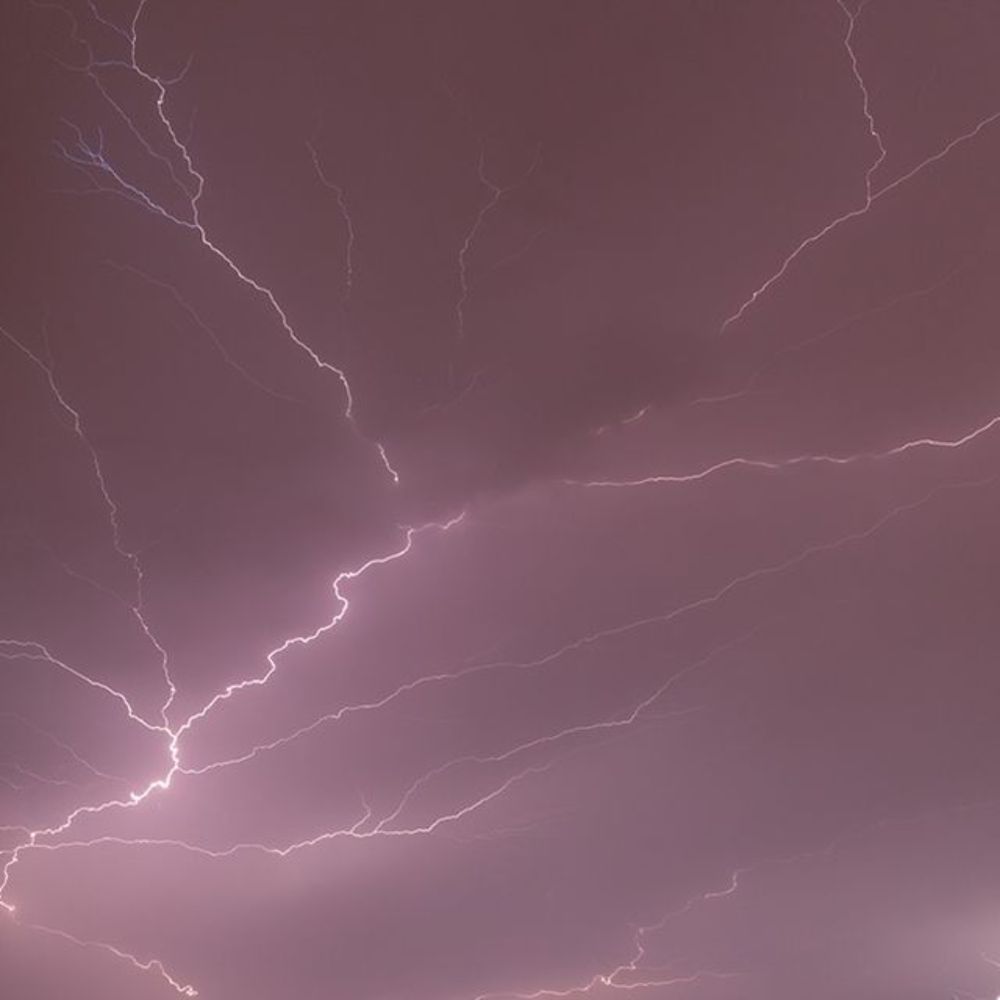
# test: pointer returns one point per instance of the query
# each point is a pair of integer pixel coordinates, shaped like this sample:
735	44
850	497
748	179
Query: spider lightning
507	767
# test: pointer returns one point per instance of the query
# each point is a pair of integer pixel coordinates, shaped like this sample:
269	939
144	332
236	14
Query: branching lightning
872	194
87	151
496	193
777	465
89	156
24	649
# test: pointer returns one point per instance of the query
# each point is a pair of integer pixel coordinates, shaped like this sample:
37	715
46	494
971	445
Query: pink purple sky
499	500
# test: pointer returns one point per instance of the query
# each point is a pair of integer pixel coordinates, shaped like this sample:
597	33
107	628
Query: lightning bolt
65	747
758	374
777	465
612	979
338	192
90	157
130	557
192	314
496	193
23	649
150	965
872	195
665	618
382	828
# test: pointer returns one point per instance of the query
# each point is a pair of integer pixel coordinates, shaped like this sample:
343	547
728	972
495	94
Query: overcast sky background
671	329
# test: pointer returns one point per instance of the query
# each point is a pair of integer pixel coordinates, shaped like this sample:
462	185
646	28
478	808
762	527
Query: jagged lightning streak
777	465
612	978
128	555
92	159
353	832
37	838
622	721
149	965
382	828
708	600
630	717
607	980
758	374
35	776
175	736
852	20
11	648
65	747
338	192
93	65
496	194
872	195
26	649
304	640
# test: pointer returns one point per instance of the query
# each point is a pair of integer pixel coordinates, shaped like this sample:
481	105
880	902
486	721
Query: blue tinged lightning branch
151	965
872	194
90	156
354	832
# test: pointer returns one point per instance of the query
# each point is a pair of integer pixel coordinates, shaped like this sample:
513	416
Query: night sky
499	500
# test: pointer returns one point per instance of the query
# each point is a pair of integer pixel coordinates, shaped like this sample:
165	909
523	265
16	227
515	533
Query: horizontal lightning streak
19	649
635	965
91	158
354	832
619	722
775	465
